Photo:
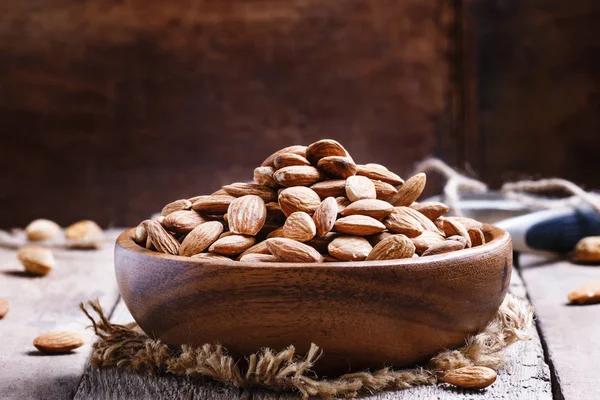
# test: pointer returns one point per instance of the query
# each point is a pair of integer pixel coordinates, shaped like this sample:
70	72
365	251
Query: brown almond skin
325	216
587	250
288	160
299	226
399	221
213	204
477	237
4	307
298	175
324	148
383	191
360	187
293	251
431	209
374	208
426	240
244	189
232	245
264	176
359	225
391	248
200	238
342	203
337	166
259	258
349	248
472	377
468	223
182	221
298	198
378	237
586	294
296	149
177	205
453	227
380	173
246	215
410	191
258	248
443	247
58	342
330	188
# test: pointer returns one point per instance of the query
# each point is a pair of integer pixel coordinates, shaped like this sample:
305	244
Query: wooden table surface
562	364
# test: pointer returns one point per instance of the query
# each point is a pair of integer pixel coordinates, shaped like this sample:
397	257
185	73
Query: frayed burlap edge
126	346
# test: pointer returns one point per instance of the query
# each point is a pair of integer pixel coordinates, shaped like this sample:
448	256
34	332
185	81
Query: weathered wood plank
40	304
570	332
525	375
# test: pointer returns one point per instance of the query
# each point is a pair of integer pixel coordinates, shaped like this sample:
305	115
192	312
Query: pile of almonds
311	204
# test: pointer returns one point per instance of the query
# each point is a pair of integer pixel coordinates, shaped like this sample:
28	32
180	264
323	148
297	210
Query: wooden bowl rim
499	239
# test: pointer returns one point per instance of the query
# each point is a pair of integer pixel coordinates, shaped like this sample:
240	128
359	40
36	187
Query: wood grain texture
366	315
42	304
525	375
570	332
104	102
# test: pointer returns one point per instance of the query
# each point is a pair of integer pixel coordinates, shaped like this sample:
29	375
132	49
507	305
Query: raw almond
264	176
443	247
296	149
342	203
177	205
586	294
293	251
337	166
42	229
333	188
258	248
219	192
247	215
458	238
85	234
162	240
409	191
4	307
383	190
587	250
360	225
58	342
472	377
325	216
37	260
259	258
377	209
298	198
431	209
394	247
299	226
349	248
324	148
182	221
288	160
404	222
374	239
200	238
243	189
468	223
477	237
232	245
140	235
213	204
380	173
360	187
453	227
210	257
425	240
297	175
275	233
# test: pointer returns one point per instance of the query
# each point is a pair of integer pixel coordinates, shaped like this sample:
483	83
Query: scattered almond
247	215
58	342
293	251
4	307
360	187
409	191
349	248
443	247
85	234
393	247
472	377
359	225
42	229
177	205
299	226
37	260
374	208
200	238
587	250
586	294
232	245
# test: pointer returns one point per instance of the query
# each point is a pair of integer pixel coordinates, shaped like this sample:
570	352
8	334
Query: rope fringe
125	347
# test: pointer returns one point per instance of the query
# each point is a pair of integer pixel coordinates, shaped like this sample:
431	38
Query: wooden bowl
362	314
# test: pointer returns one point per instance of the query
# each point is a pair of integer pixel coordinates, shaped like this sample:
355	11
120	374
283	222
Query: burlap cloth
125	346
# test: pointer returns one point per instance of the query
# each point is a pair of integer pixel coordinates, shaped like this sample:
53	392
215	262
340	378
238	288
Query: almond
443	247
58	342
296	149
232	245
4	307
210	257
587	250
325	216
297	175
337	166
342	203
277	232
380	173
477	237
264	176
391	248
247	215
200	238
333	188
360	187
329	258
472	377
244	189
409	191
219	192
431	209
182	221
374	239
298	198
258	248
162	240
324	148
86	234
288	160
468	223
409	222
213	204
177	205
586	294
140	235
360	225
425	240
37	260
383	190
458	238
349	248
293	251
453	227
259	258
377	209
299	226
42	229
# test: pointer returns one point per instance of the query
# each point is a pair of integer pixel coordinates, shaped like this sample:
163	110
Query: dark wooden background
109	109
